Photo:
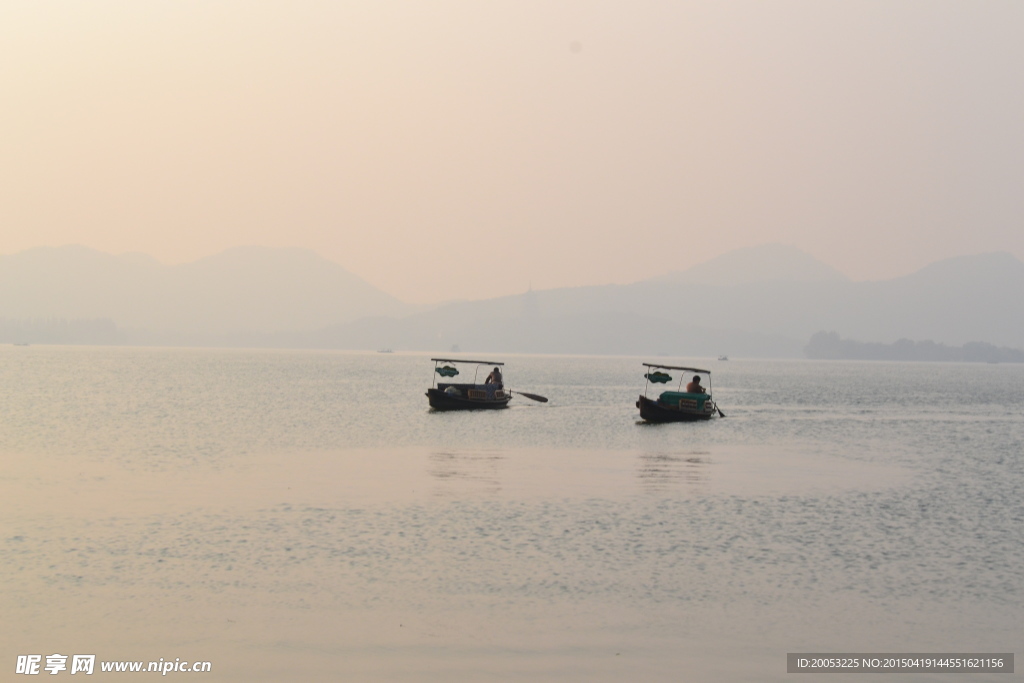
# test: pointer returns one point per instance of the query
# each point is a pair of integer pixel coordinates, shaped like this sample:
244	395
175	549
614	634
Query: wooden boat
679	405
465	396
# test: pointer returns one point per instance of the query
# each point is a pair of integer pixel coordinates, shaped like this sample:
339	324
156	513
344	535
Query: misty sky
451	149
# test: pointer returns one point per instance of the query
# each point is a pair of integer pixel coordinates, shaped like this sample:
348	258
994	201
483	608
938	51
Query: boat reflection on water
457	473
660	472
535	474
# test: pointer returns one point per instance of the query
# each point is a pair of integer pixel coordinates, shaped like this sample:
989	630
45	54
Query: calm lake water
303	516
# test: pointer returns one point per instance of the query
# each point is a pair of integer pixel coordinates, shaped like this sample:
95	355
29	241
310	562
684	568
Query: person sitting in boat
694	387
494	377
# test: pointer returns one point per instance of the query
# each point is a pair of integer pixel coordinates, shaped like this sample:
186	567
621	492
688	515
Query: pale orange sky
465	149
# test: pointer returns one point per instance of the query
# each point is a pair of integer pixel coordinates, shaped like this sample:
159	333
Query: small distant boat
466	395
21	343
384	351
679	405
723	358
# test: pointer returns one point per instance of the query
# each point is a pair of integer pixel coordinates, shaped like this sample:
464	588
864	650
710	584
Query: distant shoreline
830	346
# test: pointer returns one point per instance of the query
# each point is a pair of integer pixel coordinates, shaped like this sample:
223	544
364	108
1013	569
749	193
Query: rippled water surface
304	516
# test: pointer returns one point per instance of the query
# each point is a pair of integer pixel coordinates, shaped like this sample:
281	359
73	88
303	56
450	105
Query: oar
720	413
534	397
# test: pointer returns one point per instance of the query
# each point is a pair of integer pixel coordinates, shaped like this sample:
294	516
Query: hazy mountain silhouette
957	301
245	289
289	297
763	263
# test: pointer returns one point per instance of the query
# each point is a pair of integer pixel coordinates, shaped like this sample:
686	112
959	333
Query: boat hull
442	401
652	411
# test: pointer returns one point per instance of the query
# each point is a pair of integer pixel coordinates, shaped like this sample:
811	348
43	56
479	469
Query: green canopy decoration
446	371
659	377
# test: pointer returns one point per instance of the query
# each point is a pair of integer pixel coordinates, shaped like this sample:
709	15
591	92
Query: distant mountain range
960	300
753	265
241	290
763	301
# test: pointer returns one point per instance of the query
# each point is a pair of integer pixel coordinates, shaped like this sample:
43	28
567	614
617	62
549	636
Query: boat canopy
457	360
675	367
